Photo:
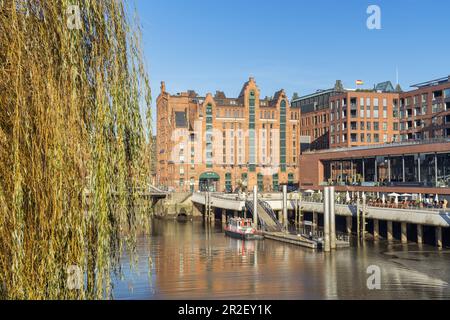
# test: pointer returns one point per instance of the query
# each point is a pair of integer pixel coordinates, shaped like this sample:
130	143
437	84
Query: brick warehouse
220	143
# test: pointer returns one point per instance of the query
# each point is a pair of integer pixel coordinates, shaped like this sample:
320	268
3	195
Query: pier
360	219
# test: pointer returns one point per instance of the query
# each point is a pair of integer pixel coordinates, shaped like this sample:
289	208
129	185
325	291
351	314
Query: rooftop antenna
396	70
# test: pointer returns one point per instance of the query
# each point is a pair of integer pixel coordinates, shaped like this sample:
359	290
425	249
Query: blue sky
301	46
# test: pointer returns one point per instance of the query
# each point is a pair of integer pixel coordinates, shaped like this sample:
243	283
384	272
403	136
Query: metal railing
371	204
268	209
394	144
318	234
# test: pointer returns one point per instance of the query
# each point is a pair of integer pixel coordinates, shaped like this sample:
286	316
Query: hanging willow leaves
72	145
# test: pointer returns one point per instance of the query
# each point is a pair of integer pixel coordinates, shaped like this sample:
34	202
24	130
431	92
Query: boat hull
243	236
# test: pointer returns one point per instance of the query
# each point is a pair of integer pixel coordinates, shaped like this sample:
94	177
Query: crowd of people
401	202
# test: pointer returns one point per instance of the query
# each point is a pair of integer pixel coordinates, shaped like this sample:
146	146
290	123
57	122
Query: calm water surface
194	261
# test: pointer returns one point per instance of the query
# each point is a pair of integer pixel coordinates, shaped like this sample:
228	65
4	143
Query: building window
228	185
209	133
376	126
252	133
395	126
376	137
283	135
290	178
260	182
275	184
244	177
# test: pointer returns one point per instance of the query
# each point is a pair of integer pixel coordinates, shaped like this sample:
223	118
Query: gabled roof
244	87
276	97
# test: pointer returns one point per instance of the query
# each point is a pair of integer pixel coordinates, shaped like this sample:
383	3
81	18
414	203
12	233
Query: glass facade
415	170
290	178
283	136
260	182
275	184
209	136
252	132
228	185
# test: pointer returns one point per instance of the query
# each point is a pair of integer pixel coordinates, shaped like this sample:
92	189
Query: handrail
249	207
269	211
368	205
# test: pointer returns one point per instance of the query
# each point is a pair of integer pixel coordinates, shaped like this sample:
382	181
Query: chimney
163	87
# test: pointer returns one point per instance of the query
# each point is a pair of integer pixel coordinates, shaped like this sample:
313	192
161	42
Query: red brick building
410	167
220	143
425	111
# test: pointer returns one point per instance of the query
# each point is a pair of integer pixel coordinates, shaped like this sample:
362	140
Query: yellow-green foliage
71	145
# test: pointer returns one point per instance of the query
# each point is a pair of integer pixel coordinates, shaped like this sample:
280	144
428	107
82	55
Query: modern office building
219	143
315	115
420	167
341	118
361	118
425	111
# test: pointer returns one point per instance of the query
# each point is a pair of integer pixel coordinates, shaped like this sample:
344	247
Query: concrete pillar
349	223
255	206
332	219
326	219
419	234
376	229
196	212
224	216
390	231
358	217
315	219
404	232
438	237
285	209
206	207
363	215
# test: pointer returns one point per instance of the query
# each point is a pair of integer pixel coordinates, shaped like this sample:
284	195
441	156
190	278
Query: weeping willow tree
72	142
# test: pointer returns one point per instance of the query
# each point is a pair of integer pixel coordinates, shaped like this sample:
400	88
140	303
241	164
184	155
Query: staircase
266	217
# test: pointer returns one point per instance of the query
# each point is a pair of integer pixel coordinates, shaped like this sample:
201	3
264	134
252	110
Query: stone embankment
177	205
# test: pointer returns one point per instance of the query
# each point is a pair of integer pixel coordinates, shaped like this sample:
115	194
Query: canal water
197	261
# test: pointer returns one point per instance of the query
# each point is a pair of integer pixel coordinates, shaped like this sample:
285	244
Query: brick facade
226	142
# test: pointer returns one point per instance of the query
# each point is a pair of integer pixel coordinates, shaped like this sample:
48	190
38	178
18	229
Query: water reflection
197	261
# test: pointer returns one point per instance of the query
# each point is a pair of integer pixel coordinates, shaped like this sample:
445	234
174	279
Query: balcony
447	119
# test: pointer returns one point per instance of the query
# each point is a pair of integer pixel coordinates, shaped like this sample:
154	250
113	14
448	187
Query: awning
209	175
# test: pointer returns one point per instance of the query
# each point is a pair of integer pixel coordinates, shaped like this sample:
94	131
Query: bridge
437	218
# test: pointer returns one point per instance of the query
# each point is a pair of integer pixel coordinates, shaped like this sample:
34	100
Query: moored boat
240	228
